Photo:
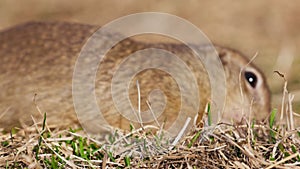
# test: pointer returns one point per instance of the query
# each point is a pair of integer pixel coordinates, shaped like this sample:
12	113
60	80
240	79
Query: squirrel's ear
224	57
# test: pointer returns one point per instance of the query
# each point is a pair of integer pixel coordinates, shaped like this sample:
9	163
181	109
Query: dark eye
251	78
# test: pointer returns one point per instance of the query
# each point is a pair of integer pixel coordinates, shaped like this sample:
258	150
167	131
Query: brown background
269	27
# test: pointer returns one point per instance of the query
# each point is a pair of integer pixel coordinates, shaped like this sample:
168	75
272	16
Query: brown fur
38	58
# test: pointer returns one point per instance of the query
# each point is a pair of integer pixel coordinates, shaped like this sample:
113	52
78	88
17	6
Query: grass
224	146
271	125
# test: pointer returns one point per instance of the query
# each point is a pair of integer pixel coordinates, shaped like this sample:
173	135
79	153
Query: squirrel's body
39	58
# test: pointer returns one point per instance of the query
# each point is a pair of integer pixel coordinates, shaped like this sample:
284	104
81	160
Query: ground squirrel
39	58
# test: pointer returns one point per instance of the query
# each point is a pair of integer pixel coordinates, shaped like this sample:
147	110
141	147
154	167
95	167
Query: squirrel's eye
251	78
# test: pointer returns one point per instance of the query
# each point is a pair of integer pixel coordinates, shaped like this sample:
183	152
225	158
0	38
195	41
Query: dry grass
221	146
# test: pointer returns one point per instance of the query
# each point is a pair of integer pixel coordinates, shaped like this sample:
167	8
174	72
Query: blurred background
269	27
